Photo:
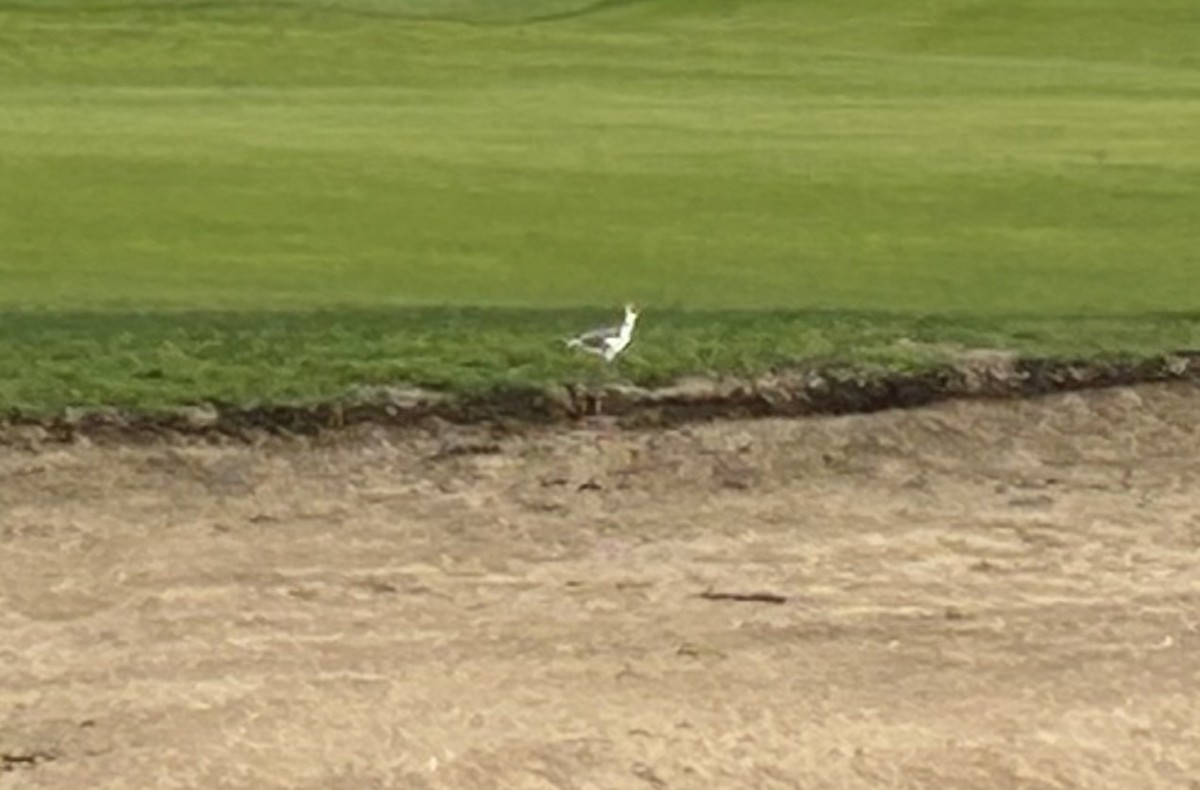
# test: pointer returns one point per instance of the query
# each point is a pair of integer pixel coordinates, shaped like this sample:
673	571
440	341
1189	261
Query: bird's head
631	313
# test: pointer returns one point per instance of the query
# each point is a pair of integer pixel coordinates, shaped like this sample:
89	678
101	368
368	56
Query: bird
607	342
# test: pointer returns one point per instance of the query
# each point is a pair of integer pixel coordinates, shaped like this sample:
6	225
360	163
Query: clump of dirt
786	393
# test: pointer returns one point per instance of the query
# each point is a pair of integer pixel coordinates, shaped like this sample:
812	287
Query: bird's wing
596	337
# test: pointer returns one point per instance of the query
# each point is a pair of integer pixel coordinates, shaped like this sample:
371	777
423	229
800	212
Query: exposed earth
967	595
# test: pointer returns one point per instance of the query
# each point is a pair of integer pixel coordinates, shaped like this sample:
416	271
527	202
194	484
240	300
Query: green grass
249	202
52	360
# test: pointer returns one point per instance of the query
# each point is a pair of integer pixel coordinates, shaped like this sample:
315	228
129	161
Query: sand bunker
970	595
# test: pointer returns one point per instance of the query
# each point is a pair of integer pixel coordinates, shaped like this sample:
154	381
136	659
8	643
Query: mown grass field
259	201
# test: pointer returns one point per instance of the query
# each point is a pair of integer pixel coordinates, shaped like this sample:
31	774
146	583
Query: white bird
609	341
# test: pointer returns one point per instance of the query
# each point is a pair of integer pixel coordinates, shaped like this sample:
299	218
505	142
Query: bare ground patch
968	595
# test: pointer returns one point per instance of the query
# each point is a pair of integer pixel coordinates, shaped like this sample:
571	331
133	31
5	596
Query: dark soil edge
794	393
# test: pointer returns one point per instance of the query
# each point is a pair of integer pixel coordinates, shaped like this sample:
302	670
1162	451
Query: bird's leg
606	374
595	388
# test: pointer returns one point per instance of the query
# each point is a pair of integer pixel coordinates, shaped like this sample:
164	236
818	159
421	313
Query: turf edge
829	390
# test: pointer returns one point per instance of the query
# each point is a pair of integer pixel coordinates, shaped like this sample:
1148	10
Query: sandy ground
968	596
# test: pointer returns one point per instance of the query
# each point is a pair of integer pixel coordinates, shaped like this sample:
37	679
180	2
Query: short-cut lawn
254	202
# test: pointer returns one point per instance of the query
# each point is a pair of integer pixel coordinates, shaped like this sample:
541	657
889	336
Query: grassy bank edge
829	390
52	362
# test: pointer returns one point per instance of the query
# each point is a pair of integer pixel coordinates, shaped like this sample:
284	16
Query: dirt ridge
798	392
